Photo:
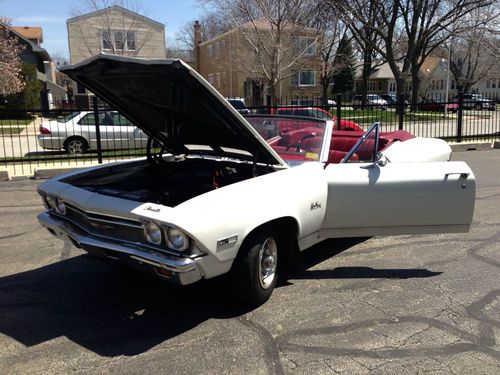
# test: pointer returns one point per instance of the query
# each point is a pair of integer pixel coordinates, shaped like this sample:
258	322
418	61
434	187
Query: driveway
385	305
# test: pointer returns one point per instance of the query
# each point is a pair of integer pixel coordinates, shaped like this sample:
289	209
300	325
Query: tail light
44	130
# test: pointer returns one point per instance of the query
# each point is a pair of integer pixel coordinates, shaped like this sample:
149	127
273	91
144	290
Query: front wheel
254	273
479	106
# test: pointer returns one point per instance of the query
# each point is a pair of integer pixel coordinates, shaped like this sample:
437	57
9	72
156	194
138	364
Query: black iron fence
30	138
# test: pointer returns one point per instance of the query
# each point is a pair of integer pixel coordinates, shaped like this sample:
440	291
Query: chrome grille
106	226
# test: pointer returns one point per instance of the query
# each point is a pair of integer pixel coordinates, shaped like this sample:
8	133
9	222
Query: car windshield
296	140
69	117
238	104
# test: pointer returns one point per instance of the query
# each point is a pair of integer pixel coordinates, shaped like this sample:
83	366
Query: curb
456	147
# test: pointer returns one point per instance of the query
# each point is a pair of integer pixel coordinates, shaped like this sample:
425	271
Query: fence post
339	109
400	104
97	130
460	117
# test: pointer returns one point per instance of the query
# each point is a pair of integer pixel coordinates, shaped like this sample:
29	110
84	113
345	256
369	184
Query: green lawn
15	122
11	130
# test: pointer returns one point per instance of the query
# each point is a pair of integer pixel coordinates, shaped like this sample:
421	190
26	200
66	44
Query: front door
374	198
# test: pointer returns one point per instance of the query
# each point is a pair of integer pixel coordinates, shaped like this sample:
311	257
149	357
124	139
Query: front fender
236	210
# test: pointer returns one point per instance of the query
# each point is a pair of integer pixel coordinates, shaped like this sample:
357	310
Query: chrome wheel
267	261
76	146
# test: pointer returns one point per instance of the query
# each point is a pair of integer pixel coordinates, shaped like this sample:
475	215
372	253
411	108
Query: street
384	305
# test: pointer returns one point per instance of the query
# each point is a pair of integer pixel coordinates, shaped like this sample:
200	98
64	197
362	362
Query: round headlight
153	232
177	240
45	202
60	206
50	202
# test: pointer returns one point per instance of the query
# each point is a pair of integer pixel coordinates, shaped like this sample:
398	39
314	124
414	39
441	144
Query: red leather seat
335	156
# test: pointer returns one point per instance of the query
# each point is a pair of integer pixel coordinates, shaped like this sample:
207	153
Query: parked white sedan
228	196
76	133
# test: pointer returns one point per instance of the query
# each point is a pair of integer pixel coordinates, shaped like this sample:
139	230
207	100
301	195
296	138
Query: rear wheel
479	106
254	274
76	145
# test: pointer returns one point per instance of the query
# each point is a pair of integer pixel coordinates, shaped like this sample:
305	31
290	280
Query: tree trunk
415	68
365	74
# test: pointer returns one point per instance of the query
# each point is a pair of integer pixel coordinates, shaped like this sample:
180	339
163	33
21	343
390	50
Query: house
225	62
113	30
433	81
37	68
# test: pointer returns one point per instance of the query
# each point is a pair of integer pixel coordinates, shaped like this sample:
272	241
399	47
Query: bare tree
474	57
11	81
212	24
422	25
269	29
333	31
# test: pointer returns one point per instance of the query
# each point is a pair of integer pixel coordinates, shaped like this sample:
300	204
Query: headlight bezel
60	206
170	233
150	223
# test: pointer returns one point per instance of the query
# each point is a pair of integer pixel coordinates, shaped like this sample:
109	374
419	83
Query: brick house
113	30
220	60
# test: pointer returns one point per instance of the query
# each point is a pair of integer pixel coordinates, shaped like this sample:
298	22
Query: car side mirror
381	159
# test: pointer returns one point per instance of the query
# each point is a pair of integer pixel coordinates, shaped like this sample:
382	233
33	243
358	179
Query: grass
15	122
12	130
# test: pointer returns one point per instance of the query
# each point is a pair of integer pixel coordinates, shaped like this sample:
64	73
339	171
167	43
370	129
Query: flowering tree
11	81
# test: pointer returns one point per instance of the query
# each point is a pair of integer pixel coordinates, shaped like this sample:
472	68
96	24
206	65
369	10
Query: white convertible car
221	194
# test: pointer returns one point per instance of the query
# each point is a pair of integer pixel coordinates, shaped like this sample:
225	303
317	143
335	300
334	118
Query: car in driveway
224	196
76	133
436	106
476	101
239	104
319	113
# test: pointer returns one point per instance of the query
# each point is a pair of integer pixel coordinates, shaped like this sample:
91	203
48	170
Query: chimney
196	46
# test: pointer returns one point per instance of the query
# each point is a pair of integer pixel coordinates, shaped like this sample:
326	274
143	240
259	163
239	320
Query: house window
371	86
217	50
453	84
306	77
121	40
131	41
392	87
494	84
209	50
433	85
380	85
106	40
304	45
210	79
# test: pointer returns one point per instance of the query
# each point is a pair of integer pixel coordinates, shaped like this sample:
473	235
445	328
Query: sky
51	15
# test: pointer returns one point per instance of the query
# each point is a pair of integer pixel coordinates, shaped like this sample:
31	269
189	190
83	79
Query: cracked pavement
385	305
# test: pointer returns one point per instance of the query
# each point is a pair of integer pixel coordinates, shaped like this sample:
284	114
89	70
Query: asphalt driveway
385	305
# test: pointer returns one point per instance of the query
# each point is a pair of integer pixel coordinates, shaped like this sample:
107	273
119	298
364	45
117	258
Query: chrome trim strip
185	269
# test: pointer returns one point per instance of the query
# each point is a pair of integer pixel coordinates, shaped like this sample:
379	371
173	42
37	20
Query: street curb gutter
457	147
41	173
4	174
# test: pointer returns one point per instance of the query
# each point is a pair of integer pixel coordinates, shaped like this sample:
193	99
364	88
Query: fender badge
150	208
315	205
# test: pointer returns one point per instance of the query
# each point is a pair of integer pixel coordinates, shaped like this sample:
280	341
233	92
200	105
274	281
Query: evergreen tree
344	62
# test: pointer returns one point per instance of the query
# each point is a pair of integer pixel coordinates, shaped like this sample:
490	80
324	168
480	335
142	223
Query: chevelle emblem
315	205
150	208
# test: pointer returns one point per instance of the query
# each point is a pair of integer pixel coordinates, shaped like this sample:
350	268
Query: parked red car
317	113
436	106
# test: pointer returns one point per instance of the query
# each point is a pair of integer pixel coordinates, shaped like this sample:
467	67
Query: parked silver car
76	133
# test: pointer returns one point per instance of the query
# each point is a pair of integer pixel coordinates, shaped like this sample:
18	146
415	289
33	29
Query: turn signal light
44	130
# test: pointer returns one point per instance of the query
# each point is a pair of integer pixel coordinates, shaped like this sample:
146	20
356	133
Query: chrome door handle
462	174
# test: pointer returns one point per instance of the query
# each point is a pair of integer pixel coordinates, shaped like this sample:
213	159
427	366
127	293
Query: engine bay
170	182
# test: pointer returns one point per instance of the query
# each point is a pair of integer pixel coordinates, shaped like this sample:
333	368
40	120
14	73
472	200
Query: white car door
379	198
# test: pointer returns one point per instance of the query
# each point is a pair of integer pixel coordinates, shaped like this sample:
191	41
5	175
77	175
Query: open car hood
172	103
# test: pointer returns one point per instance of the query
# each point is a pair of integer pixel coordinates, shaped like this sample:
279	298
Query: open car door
377	197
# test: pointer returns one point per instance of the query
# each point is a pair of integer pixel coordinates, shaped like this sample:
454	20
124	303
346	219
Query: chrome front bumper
179	270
